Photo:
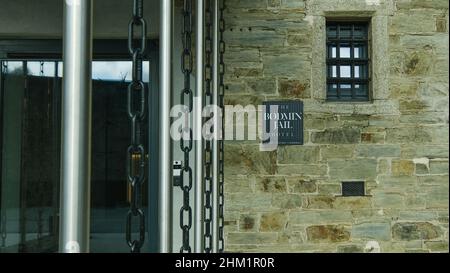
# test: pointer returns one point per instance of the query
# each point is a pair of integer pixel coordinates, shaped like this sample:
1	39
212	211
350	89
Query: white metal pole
198	107
165	153
217	129
76	125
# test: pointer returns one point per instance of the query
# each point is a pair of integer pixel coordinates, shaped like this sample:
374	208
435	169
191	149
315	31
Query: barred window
347	61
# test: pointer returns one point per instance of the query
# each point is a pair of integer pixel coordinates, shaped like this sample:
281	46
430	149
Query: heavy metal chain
186	140
208	143
136	100
221	141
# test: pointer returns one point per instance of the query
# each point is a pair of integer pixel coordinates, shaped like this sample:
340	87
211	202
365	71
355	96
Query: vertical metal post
76	124
198	107
165	154
217	129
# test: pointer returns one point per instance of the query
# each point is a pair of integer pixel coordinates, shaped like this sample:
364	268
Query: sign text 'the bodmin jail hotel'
289	121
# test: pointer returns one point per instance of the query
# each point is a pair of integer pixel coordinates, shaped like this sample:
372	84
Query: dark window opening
353	188
347	61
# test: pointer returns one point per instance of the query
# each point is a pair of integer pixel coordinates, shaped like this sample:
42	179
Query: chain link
186	140
221	141
136	101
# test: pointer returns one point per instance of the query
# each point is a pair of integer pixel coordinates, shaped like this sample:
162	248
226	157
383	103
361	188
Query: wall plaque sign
287	121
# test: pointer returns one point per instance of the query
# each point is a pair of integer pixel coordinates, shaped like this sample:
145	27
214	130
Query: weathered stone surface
418	216
433	180
252	72
388	200
271	184
407	135
417	4
378	151
403	90
397	184
397	143
357	202
236	88
329	189
285	65
241	55
247	222
422	168
300	40
247	3
402	167
301	185
244	201
254	39
428	151
273	3
238	184
294	88
441	25
376	231
336	136
287	201
327	234
303	169
252	238
415	231
297	4
438	167
407	22
262	86
424	118
437	196
441	246
373	137
337	151
413	106
350	249
319	202
275	221
353	169
243	100
320	122
298	154
247	159
319	217
384	166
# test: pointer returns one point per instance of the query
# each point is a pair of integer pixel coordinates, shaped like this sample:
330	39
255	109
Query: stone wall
289	200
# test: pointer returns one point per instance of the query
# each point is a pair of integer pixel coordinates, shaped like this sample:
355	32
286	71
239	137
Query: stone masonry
289	200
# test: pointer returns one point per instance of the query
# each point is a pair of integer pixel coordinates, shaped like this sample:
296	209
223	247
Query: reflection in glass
30	140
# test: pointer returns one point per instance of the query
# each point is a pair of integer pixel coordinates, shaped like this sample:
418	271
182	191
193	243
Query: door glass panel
30	160
110	140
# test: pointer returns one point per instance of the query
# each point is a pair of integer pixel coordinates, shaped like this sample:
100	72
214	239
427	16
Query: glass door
30	107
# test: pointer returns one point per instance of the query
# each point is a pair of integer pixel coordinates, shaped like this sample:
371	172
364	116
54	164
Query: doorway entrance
30	138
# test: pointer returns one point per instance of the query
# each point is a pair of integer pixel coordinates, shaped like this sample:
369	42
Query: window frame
350	61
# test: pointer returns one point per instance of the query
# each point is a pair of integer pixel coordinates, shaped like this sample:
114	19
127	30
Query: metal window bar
336	40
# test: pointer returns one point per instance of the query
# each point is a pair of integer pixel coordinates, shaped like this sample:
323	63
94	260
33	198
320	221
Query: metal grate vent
353	188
